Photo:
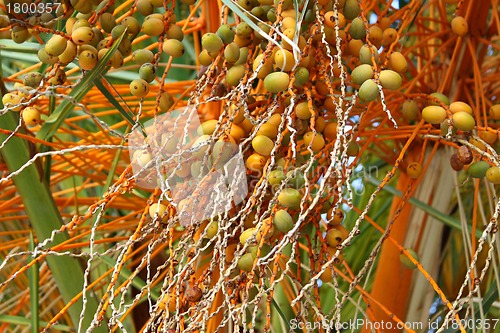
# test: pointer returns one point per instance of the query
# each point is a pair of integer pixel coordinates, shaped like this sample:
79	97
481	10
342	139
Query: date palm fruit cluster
456	119
290	66
85	39
298	75
298	64
296	72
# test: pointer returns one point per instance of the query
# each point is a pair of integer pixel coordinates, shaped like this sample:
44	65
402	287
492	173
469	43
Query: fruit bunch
303	92
286	87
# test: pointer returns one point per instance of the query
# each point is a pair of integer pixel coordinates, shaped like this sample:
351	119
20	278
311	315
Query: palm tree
221	166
